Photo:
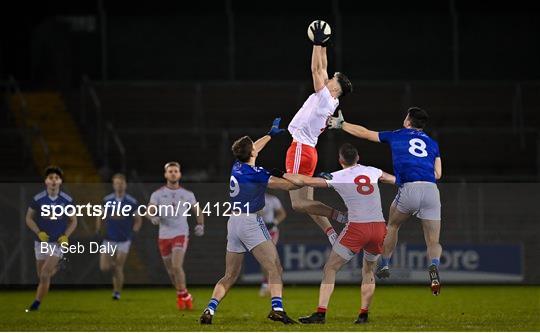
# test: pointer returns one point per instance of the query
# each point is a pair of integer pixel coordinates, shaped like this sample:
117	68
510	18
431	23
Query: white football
327	29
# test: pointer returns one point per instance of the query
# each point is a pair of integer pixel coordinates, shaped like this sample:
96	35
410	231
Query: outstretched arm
387	178
438	168
318	72
356	130
302	180
261	143
277	183
274	130
360	132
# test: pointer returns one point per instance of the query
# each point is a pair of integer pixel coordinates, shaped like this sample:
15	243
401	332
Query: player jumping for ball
417	166
357	186
306	126
174	229
50	233
246	231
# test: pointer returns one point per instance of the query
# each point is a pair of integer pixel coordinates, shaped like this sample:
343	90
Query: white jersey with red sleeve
310	121
358	187
174	206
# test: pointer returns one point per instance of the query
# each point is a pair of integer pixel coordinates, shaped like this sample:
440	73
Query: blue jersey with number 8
413	155
247	187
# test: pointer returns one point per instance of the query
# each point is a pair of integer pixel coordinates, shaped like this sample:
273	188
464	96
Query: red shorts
301	159
166	245
357	236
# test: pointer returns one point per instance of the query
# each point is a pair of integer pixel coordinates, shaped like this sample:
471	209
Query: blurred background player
417	166
118	232
51	232
247	231
357	186
273	214
306	126
174	229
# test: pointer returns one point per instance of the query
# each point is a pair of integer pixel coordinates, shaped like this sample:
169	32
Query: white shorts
120	246
244	232
421	199
42	254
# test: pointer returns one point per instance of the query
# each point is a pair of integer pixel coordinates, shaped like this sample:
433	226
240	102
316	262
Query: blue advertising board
462	263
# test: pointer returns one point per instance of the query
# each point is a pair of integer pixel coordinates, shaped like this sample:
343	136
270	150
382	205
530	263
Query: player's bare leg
302	201
233	267
264	291
395	220
432	230
267	256
45	273
368	289
39	266
118	273
106	264
184	299
332	266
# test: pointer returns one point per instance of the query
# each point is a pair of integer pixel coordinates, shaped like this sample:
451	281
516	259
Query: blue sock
385	261
277	304
35	305
435	262
212	305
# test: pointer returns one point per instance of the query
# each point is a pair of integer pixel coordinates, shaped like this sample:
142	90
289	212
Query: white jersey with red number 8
358	187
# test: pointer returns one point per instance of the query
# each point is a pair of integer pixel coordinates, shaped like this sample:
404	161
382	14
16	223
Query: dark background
243	40
137	85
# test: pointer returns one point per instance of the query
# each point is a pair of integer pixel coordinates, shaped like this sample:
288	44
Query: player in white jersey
273	214
174	229
365	230
306	126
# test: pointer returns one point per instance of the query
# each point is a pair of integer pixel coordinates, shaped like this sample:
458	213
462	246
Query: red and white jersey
358	187
271	205
174	206
310	121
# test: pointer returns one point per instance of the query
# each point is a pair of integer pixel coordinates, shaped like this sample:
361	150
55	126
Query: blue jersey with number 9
247	187
413	154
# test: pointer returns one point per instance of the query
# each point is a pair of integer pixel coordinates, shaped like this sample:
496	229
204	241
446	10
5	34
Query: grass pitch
402	308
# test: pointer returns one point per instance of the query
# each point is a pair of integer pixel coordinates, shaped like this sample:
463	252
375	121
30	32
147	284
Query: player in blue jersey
50	232
417	166
118	231
246	230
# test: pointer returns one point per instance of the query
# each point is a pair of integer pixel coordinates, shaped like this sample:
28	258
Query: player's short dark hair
344	83
348	153
242	148
53	169
418	117
120	176
171	164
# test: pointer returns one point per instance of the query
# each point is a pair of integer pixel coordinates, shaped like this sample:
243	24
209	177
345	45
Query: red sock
182	293
321	309
363	310
329	231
